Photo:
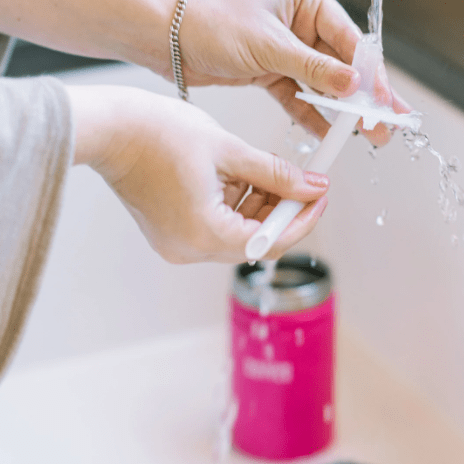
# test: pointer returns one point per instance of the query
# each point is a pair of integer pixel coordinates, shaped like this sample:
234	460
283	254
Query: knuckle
283	173
317	66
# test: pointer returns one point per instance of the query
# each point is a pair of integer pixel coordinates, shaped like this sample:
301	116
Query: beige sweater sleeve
36	147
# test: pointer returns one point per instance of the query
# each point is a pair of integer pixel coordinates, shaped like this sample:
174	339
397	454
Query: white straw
366	60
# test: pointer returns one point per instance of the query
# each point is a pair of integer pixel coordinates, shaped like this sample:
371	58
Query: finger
253	203
272	174
323	47
264	212
289	56
335	27
273	199
284	90
379	136
235	230
331	25
299	228
233	193
267	208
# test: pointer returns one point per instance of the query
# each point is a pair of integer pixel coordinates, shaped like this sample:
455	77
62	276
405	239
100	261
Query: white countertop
154	403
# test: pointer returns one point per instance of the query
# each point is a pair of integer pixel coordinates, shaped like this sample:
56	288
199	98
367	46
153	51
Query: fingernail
317	180
344	79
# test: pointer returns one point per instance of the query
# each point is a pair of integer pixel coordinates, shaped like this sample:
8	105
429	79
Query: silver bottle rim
300	283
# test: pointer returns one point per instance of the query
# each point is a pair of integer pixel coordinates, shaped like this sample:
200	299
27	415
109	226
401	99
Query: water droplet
421	141
269	271
380	221
458	194
454	164
444	184
373	152
444	171
454	240
264	307
441	199
301	144
409	138
444	206
391	128
414	156
451	216
305	148
375	180
313	262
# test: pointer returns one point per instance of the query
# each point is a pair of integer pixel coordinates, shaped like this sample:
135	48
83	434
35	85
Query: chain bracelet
175	49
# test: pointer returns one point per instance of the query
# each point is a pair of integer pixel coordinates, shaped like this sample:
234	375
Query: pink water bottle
283	362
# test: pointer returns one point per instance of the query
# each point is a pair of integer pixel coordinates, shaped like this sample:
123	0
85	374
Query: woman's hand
271	43
184	179
275	44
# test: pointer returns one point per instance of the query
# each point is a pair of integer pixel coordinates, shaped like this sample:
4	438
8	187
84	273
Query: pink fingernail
318	180
344	79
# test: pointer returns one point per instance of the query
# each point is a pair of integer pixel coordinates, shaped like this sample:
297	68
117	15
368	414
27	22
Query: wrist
131	30
103	128
145	38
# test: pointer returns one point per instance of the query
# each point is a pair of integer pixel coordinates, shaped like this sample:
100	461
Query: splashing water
373	152
450	193
301	144
266	300
375	180
381	218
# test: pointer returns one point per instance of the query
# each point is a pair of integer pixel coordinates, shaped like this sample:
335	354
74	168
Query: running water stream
375	18
450	193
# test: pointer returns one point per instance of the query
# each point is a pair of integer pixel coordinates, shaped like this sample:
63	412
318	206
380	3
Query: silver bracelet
175	49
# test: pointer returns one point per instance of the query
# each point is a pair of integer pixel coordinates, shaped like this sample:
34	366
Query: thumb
290	57
276	175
